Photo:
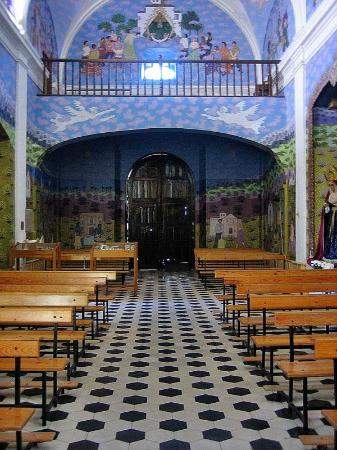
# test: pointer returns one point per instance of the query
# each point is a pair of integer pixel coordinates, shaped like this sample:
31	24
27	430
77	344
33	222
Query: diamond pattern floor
166	376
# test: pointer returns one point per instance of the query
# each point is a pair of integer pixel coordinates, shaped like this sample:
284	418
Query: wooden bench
12	422
233	278
207	261
77	301
302	370
34	363
273	342
281	287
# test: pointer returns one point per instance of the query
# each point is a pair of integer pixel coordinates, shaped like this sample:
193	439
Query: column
20	151
301	163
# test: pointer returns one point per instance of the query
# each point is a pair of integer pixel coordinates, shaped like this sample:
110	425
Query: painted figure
129	43
218	233
284	32
93	68
109	47
85	50
118	48
194	50
225	56
102	48
235	51
184	45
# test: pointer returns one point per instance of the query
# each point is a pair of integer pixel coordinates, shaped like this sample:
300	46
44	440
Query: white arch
233	8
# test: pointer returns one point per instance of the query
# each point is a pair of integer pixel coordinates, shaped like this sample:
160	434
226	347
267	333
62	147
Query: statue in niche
327	236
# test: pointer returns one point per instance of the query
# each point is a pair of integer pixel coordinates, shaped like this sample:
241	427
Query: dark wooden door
160	215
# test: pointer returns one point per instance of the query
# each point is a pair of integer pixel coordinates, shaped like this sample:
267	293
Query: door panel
161	210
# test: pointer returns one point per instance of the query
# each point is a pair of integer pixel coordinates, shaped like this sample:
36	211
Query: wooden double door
160	210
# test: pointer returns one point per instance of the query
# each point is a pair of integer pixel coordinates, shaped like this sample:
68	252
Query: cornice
20	47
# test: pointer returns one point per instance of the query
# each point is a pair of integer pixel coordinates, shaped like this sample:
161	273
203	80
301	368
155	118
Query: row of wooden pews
290	316
210	260
49	307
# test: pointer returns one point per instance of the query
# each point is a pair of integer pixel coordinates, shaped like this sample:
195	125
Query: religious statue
327	237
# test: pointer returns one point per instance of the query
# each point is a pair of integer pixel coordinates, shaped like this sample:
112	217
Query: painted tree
105	26
191	22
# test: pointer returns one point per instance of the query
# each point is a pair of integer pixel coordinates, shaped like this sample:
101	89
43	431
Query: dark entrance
160	210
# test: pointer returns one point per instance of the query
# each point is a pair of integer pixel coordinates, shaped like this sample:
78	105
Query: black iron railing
174	78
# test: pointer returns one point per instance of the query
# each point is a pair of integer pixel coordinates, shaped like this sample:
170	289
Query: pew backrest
48	288
305	318
286	287
19	349
277	302
35	315
42	299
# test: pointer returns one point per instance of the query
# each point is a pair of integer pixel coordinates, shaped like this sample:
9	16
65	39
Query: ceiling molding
309	40
233	8
20	47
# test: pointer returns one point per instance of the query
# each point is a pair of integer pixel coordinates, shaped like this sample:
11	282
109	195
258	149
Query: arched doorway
160	209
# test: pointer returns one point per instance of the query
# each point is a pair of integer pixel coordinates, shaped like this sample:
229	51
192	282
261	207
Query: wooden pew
94	295
233	278
210	260
12	422
31	316
281	287
270	342
302	370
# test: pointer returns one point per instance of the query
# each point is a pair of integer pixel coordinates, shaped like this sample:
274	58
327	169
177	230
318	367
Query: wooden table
47	252
78	259
127	252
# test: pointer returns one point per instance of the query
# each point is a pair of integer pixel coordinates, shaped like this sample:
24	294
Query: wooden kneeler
15	418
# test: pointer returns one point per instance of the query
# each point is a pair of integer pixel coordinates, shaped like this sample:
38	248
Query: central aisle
166	377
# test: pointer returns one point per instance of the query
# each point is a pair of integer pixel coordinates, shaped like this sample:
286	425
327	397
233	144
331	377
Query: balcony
159	78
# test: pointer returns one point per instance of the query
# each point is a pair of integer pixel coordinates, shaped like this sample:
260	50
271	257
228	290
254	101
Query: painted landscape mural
7	137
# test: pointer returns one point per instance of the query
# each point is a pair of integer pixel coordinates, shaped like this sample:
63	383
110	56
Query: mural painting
280	29
6	196
41	28
184	31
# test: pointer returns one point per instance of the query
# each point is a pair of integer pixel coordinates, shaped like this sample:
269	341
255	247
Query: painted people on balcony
327	236
129	46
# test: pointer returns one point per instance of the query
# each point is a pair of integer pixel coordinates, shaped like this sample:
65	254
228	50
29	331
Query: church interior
168	224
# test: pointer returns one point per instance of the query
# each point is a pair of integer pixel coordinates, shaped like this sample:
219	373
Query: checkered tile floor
166	376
